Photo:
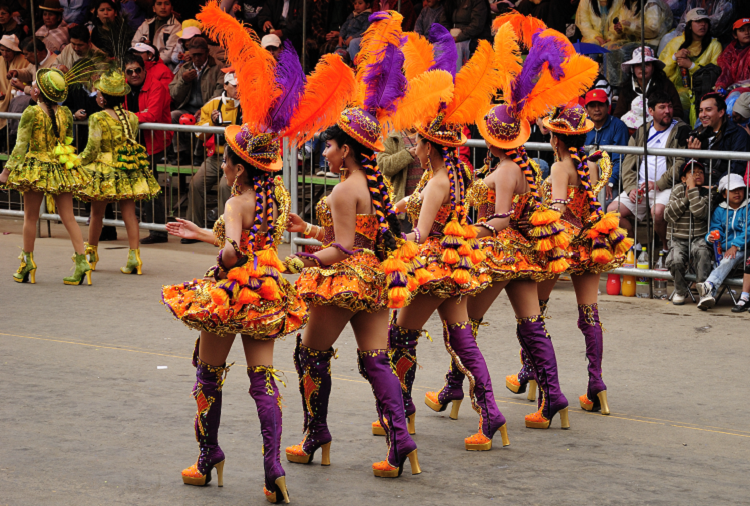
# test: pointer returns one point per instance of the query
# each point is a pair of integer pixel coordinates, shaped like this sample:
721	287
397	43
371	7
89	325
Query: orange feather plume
567	47
580	73
475	87
254	66
418	55
524	26
329	89
507	57
423	98
377	36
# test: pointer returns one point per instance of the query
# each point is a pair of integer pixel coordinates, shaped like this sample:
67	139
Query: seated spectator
178	41
221	111
154	66
327	18
80	47
633	119
719	13
743	304
608	131
655	79
158	30
195	83
283	19
664	132
433	11
75	12
8	25
596	20
149	101
741	112
12	59
719	133
729	229
469	22
272	44
353	28
54	32
658	21
687	53
135	12
109	27
399	163
406	9
735	59
687	224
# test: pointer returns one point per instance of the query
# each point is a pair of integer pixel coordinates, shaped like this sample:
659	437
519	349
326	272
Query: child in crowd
744	303
686	215
353	28
729	229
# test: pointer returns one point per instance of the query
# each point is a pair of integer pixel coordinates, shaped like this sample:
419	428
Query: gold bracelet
308	227
320	229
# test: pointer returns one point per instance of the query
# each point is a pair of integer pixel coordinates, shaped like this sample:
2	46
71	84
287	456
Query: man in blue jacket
608	131
728	228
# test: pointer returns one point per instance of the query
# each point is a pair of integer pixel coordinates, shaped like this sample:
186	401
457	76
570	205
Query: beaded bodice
106	135
365	233
414	208
36	137
482	197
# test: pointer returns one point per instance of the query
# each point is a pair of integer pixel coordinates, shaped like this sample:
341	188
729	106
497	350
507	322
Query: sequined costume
192	302
110	178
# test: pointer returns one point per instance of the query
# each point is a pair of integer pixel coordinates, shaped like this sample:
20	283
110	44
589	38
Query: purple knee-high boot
453	390
536	342
517	383
268	403
596	393
375	367
314	373
460	343
209	381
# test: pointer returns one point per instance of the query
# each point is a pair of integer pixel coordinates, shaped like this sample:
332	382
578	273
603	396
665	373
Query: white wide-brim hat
637	59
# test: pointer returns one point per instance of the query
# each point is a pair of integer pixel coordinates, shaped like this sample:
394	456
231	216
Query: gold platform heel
431	400
134	263
281	487
220	473
383	469
532	391
378	430
537	421
590	405
27	271
414	463
603	401
325	459
82	269
191	475
92	254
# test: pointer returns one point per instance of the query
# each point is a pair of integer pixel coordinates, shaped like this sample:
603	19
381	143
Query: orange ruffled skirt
442	283
579	250
357	283
191	302
510	256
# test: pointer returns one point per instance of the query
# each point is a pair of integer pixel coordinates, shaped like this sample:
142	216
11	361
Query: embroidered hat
113	83
260	150
362	126
569	120
52	83
502	130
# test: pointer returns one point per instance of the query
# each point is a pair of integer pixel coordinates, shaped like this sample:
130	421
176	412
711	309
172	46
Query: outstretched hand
184	229
295	223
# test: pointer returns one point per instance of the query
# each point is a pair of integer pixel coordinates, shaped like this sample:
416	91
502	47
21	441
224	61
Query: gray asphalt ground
88	418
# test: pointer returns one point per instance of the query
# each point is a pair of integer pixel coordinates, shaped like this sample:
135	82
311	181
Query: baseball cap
696	14
596	96
742	105
140	47
731	182
740	23
230	78
189	32
270	40
692	164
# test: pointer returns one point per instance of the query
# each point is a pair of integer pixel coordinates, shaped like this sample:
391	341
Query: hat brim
375	146
54	95
60	10
523	136
588	126
624	65
437	140
125	91
15	49
230	134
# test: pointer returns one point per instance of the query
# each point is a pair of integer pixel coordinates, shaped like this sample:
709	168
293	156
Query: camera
702	134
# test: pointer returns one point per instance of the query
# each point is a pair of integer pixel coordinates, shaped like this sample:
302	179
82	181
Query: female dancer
517	259
345	281
43	162
118	166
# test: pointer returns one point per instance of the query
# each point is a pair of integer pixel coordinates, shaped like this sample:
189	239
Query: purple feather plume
543	50
378	16
384	80
291	80
444	49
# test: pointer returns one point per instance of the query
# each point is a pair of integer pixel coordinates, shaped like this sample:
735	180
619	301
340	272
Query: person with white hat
728	228
272	44
720	14
178	41
635	81
12	59
155	67
159	29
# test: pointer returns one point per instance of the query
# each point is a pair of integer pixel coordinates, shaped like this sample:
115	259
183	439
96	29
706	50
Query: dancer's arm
93	146
559	180
344	214
188	230
25	127
433	196
504	190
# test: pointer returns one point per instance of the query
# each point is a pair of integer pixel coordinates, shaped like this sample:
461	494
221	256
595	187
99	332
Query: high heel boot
462	347
402	346
92	254
209	381
134	263
268	403
314	372
517	383
27	271
83	269
452	391
537	343
375	367
595	398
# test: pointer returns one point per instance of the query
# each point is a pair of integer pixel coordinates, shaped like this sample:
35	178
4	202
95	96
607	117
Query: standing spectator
272	44
221	111
470	21
12	59
729	228
109	29
283	18
154	66
80	47
149	101
74	12
178	41
664	132
195	83
135	11
686	54
608	130
719	133
54	32
8	25
654	78
399	163
719	14
687	224
327	18
433	11
353	28
735	59
158	30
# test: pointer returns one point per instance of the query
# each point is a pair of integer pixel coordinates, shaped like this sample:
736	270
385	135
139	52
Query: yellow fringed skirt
110	183
49	177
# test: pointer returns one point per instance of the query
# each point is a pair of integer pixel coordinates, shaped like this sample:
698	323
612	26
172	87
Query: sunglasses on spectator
131	72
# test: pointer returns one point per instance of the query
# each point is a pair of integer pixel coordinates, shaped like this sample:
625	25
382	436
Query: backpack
703	81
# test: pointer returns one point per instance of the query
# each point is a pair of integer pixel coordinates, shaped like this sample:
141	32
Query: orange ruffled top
356	283
274	310
510	254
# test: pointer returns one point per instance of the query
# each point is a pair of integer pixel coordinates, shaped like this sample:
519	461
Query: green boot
27	271
134	262
92	254
82	267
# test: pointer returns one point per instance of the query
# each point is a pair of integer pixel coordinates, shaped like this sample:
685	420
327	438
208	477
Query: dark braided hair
521	158
575	144
458	185
51	113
